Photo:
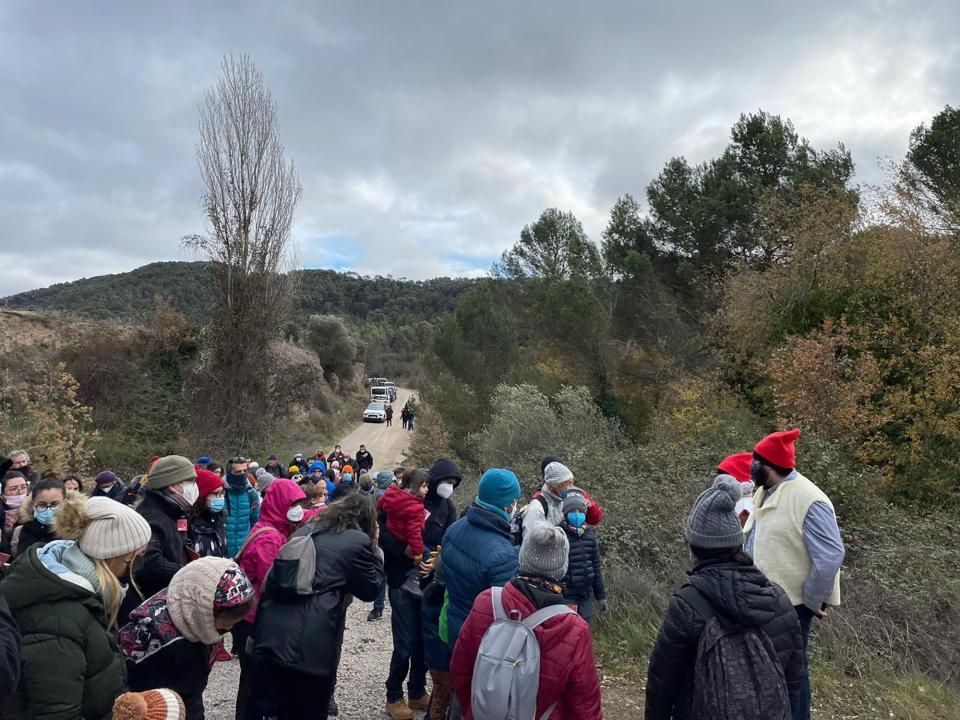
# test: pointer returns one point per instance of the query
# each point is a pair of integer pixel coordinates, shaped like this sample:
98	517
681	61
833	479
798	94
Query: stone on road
365	657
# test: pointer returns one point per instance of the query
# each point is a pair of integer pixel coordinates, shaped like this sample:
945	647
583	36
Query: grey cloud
426	134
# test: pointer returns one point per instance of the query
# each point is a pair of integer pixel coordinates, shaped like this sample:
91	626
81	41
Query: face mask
217	505
445	490
14	501
513	509
46	516
191	493
576	519
237	482
295	514
758	474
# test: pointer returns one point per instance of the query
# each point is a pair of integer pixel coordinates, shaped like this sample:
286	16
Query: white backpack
506	674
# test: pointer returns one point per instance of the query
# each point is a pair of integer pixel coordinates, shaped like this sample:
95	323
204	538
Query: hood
488	520
190	598
48	575
399	501
384	479
150	629
443	469
739	592
283	493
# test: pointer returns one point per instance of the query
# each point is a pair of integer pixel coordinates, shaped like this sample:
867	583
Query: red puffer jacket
406	517
568	674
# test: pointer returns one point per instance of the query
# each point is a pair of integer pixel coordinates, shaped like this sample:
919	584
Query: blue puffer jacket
243	512
478	553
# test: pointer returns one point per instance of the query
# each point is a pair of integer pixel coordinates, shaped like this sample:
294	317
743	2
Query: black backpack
516	526
737	675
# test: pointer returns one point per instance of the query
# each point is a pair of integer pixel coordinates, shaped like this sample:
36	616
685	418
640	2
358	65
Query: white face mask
190	492
513	510
295	514
445	490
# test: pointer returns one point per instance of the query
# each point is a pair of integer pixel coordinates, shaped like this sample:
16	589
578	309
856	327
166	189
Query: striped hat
159	704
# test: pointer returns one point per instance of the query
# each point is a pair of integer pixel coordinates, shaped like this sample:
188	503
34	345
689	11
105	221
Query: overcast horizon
427	134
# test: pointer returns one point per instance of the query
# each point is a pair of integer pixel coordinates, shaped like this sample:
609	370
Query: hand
823	614
603	606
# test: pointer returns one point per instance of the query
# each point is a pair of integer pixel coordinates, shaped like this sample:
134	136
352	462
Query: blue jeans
407	658
381	600
801	706
585	609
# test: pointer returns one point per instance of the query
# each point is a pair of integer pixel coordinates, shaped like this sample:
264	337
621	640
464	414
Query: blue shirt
821	535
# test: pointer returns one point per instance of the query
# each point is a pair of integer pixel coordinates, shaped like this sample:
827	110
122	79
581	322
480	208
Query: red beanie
737	465
777	449
208	482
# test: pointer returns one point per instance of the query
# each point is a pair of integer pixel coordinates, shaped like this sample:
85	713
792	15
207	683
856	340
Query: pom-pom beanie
159	704
713	523
545	553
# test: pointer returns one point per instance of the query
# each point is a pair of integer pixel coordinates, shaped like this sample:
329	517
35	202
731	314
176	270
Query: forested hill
186	286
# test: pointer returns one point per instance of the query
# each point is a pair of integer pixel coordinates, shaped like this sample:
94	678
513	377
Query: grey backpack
293	573
506	674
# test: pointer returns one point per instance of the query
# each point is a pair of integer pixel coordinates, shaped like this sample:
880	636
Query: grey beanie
170	470
264	480
545	553
574	499
556	473
713	523
111	529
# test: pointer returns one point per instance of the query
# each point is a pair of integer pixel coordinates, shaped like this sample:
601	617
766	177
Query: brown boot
399	710
419	704
442	694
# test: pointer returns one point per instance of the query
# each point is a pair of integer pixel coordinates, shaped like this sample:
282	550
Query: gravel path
365	657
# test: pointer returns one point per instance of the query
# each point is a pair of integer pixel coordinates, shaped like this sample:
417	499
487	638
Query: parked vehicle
375	412
380	395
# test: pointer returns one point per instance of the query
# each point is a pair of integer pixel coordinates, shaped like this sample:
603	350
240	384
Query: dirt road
366	651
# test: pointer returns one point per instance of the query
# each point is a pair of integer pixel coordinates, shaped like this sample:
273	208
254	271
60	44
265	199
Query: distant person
336	455
730	644
71	483
14	488
110	486
389	415
274	466
38	515
208	527
204	462
243	505
568	687
65	598
594	511
169	639
364	459
167	503
584	580
794	539
478	550
20	461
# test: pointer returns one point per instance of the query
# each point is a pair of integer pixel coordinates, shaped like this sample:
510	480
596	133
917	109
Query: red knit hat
777	449
208	482
737	465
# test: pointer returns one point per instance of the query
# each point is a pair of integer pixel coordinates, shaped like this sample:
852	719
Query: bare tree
249	199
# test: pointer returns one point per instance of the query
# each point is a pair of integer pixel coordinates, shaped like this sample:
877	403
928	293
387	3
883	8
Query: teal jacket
243	512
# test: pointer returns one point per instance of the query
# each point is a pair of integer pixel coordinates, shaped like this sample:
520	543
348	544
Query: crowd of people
135	586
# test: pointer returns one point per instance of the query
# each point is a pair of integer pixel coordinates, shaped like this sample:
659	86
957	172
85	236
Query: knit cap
777	449
103	528
272	456
170	470
737	465
557	473
159	704
713	522
573	500
498	487
233	589
204	460
191	597
348	469
264	480
545	553
106	478
208	482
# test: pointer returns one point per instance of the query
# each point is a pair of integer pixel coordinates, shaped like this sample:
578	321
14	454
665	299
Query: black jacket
364	460
443	514
9	653
181	666
118	492
165	553
396	563
33	532
306	634
739	593
584	575
208	534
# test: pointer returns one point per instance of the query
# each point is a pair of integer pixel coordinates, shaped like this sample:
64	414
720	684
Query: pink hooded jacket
259	554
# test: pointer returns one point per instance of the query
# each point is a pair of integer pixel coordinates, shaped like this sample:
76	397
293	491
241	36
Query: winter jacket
478	553
168	537
568	673
442	514
208	534
364	461
118	492
71	665
584	575
554	512
739	593
305	634
243	512
9	653
28	534
405	517
272	532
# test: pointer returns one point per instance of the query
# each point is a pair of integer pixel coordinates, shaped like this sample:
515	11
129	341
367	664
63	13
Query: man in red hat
794	539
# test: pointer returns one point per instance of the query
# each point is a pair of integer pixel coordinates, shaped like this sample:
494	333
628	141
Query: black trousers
285	694
406	622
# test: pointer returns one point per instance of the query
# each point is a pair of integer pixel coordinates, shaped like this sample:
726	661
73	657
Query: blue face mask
217	505
45	517
576	519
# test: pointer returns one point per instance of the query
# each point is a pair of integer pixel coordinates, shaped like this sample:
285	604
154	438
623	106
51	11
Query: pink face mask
14	501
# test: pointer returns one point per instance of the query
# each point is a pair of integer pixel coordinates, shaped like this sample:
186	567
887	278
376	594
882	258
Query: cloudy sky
426	134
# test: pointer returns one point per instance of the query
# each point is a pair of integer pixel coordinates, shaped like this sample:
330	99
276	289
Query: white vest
778	547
